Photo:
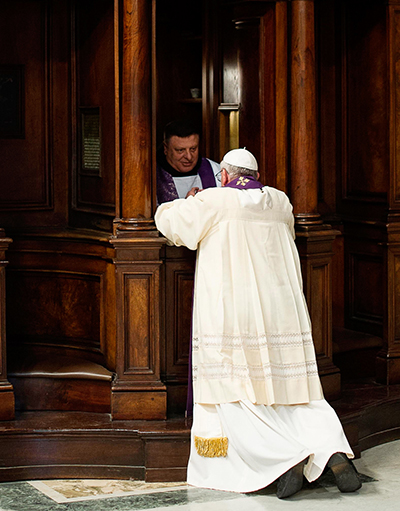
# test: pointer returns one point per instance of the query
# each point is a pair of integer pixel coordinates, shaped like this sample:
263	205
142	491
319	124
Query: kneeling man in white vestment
259	411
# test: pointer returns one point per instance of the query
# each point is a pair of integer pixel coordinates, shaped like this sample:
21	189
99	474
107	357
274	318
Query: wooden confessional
95	308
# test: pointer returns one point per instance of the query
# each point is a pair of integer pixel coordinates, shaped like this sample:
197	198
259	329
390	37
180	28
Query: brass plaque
91	141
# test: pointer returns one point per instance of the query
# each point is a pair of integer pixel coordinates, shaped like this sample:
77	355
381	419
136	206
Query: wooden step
61	382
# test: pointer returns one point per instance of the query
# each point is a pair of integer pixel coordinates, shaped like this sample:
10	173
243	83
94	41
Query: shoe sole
291	481
346	476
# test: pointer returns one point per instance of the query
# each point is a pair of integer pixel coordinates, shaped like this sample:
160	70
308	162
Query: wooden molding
7	402
388	360
315	250
138	392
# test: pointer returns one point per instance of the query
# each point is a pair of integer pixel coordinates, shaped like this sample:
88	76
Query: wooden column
7	405
138	392
314	239
303	114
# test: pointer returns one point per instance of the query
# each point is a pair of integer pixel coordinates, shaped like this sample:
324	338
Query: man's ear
224	177
165	147
258	176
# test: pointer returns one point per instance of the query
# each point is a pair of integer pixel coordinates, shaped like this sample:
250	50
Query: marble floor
379	466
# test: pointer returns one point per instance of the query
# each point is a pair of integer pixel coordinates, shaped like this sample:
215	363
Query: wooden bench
60	382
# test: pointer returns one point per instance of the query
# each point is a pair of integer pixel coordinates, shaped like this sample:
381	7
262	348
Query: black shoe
291	481
346	475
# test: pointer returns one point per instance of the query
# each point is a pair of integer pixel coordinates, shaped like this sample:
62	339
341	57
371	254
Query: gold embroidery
211	447
242	181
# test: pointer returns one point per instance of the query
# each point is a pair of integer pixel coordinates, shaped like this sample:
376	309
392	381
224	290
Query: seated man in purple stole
180	168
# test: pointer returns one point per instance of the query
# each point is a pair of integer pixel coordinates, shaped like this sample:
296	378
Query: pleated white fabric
251	328
263	443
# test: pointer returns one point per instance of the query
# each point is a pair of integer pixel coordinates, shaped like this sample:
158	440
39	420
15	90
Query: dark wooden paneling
34	169
167	461
179	301
179	280
338	284
315	249
72	450
248	35
394	134
366	292
137	391
138	356
62	394
365	105
57	307
394	299
93	76
6	390
247	41
230	77
60	293
328	96
25	163
60	301
253	39
26	169
365	279
76	444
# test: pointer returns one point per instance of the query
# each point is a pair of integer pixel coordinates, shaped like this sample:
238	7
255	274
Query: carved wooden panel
34	168
184	283
138	353
7	401
241	43
137	392
3	367
316	270
394	69
25	163
178	319
138	300
93	108
365	104
248	35
62	293
319	306
338	287
328	68
315	250
54	307
179	280
393	290
365	281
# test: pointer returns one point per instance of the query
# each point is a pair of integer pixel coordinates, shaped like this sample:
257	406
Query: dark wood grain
6	389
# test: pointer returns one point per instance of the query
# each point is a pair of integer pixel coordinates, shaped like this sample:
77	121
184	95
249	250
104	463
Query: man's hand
193	192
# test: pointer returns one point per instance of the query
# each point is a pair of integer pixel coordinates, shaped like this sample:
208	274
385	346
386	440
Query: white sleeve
291	227
185	221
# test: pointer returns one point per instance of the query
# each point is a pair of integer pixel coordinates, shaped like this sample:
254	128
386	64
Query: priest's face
182	153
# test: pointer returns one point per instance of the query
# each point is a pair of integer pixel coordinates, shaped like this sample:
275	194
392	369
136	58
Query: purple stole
166	190
240	183
244	183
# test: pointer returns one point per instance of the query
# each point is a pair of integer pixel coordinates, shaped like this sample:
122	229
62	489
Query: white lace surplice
251	329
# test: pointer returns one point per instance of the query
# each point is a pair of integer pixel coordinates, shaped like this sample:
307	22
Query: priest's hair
235	171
